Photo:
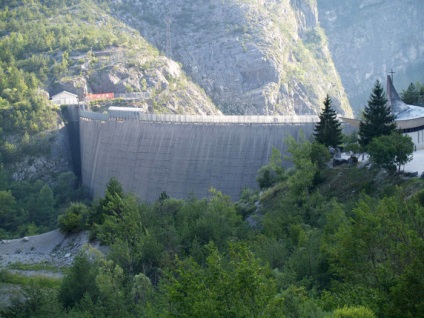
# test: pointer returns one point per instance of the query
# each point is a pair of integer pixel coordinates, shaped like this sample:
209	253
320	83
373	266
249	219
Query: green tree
81	279
327	130
45	211
377	117
233	286
271	173
113	190
410	96
75	218
389	152
8	210
374	254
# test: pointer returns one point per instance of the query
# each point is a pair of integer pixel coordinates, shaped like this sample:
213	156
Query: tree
8	210
378	119
391	152
271	173
327	130
80	279
410	96
75	218
237	285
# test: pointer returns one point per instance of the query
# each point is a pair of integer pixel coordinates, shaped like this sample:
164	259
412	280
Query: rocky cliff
249	56
120	61
368	38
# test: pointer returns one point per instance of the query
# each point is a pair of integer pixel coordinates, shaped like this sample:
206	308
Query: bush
272	173
75	218
354	312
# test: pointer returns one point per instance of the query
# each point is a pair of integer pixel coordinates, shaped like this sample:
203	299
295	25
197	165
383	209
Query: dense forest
315	242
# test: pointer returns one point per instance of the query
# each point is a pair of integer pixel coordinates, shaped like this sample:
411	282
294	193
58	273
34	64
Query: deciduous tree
391	152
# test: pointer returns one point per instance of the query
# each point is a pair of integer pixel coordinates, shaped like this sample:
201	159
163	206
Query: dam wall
183	157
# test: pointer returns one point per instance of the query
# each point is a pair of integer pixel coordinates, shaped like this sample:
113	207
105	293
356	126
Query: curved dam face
183	159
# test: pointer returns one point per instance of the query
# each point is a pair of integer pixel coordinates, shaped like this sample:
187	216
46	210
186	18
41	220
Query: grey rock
261	57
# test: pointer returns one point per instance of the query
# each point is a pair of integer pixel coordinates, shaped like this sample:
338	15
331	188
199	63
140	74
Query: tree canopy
377	119
392	151
414	94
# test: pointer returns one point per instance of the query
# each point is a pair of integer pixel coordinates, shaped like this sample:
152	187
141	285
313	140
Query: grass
44	266
7	277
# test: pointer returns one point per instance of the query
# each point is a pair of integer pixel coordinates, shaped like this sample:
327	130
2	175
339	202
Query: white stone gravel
54	248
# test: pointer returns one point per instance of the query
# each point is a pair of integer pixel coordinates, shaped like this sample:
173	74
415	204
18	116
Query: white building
65	98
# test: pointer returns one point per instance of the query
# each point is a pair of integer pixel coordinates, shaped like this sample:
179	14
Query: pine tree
327	130
377	120
410	96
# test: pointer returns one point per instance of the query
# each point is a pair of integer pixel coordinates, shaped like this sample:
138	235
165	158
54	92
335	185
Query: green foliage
373	251
33	207
273	172
75	218
351	142
377	117
22	280
354	312
327	130
414	94
80	280
392	151
32	301
8	210
237	286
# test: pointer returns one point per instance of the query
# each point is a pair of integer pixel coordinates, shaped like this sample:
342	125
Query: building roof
64	93
401	110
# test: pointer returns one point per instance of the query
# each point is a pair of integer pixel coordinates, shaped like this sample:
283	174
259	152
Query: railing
93	116
138	95
121	113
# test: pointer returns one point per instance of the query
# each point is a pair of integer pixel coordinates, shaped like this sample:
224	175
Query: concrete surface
417	163
183	160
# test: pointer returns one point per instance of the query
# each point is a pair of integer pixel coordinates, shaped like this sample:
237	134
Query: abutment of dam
183	156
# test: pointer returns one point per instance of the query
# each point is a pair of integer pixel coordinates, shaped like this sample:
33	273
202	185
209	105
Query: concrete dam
181	155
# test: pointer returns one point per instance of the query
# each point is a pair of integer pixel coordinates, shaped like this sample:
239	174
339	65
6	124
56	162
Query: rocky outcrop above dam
250	57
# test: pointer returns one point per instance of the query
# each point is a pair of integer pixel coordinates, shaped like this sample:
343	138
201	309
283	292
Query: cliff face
249	56
368	38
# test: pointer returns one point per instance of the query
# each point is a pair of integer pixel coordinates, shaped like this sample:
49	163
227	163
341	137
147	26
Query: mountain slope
250	56
78	46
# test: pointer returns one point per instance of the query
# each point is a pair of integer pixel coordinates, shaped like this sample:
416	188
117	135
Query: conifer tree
327	130
410	96
378	119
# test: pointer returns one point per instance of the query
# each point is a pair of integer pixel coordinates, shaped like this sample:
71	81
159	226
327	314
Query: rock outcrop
251	57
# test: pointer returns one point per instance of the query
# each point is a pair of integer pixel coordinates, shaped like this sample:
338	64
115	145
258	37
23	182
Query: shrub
75	218
354	312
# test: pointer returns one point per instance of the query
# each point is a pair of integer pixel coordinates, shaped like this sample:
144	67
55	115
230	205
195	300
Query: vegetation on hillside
301	248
